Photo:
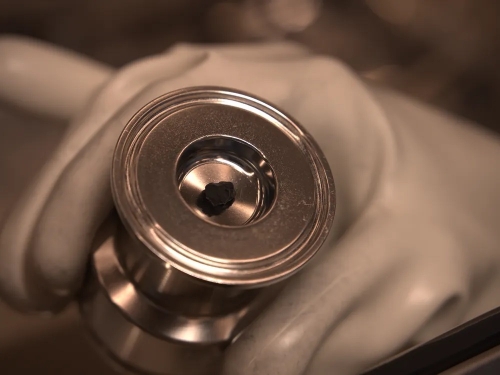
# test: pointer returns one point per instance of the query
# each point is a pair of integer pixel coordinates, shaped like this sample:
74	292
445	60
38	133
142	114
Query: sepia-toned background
445	52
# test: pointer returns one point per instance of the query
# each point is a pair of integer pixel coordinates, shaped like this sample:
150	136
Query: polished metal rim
287	188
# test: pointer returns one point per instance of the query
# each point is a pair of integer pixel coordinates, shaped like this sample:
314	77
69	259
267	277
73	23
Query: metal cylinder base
221	197
130	345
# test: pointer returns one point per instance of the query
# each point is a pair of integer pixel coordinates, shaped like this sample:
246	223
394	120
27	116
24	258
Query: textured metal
220	195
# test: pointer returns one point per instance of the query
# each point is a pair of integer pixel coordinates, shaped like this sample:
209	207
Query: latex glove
414	250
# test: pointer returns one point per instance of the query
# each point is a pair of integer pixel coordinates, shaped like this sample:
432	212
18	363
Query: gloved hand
414	250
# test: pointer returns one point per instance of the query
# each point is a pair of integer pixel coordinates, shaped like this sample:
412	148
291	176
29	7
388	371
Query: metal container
221	196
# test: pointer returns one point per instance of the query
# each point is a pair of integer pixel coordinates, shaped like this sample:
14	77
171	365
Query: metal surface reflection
216	160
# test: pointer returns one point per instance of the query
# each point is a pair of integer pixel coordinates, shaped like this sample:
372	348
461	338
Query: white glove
414	250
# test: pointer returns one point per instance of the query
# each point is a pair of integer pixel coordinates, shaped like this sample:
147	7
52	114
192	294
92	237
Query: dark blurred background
445	52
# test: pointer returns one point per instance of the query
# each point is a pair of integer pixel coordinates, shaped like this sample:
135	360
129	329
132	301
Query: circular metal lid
223	186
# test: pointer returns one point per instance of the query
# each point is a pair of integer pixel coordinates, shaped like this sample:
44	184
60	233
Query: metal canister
221	196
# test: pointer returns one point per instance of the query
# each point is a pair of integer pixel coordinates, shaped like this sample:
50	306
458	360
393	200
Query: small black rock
216	198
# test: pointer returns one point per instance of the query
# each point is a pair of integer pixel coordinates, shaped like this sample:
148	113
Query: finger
45	79
49	80
420	300
17	233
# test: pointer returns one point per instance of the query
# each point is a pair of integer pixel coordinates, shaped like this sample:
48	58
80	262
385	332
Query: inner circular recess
225	181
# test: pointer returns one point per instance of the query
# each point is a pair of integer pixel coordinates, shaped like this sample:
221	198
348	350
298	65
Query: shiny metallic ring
220	195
